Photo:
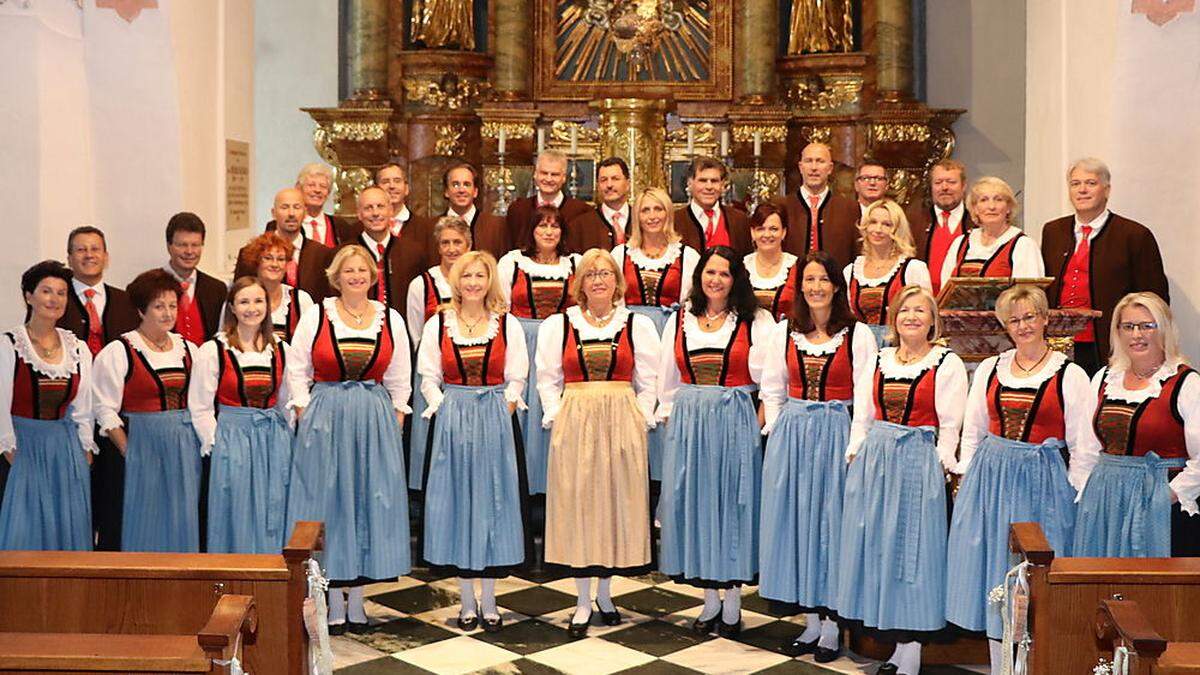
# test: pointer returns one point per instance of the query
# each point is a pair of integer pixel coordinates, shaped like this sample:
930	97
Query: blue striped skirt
162	483
892	570
418	438
247	491
656	437
1007	482
537	439
712	476
804	474
348	471
47	501
1125	510
473	520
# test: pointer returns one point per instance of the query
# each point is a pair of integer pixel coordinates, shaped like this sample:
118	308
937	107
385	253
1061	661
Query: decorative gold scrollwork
830	93
358	131
702	134
769	133
448	92
560	133
449	140
899	133
512	130
818	134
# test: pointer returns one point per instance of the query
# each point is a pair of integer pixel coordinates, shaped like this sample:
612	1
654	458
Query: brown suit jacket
210	295
692	230
837	223
922	220
592	230
520	217
490	233
119	315
1124	259
343	229
310	271
418	233
404	260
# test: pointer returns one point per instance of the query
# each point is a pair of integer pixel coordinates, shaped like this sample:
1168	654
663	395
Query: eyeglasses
602	275
873	179
1015	321
1143	326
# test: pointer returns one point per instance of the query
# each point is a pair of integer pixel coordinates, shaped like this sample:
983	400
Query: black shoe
798	647
823	655
337	628
705	626
358	628
612	618
493	625
730	630
888	669
468	622
578	630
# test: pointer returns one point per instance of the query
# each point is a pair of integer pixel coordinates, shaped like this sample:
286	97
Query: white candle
632	151
691	141
541	140
574	140
758	144
500	141
724	142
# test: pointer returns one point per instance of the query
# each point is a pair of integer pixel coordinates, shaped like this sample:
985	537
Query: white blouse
415	307
206	376
1078	409
674	250
950	398
397	379
774	281
917	273
1186	484
669	379
774	387
279	315
429	358
111	367
75	359
509	263
1027	257
548	358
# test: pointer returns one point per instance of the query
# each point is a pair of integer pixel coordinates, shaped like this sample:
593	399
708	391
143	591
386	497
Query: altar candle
574	140
632	151
724	142
500	141
541	140
691	141
758	144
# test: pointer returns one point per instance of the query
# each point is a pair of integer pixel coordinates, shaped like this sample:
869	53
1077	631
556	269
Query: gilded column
367	48
757	42
887	34
512	49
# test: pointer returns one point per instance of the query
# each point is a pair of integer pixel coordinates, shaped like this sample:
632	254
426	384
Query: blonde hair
493	301
902	297
1167	334
591	259
998	185
1007	302
659	195
339	260
902	240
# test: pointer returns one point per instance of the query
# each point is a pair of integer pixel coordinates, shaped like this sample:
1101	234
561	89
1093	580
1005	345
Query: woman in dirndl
597	363
45	423
811	365
349	376
140	388
1140	500
903	436
427	294
473	366
537	283
996	247
236	398
886	265
712	461
657	269
1025	408
772	270
271	256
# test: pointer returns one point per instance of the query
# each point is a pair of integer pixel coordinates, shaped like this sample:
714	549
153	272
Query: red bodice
1029	415
1000	264
339	359
248	386
473	365
150	390
537	297
870	303
37	396
598	360
725	367
821	377
1154	425
653	287
911	402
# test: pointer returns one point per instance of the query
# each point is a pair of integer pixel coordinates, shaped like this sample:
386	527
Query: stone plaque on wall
237	185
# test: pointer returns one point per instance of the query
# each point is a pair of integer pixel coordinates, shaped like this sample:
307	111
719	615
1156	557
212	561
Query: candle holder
573	183
759	188
505	188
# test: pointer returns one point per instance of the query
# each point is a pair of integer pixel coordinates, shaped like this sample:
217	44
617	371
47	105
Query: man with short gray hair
314	181
549	176
1097	258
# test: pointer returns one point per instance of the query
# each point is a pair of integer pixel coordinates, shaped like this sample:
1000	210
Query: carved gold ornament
358	131
448	92
829	93
768	133
900	133
449	140
633	40
512	130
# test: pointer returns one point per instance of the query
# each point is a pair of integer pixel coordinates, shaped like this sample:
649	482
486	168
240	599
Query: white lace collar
450	321
1004	370
890	367
619	318
224	340
285	300
692	329
340	326
772	282
69	363
1114	383
975	239
805	345
860	274
178	346
559	270
639	257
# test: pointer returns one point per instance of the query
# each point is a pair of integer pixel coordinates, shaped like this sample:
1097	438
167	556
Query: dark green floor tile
535	601
418	599
401	634
657	668
656	638
770	636
656	602
384	666
519	667
526	637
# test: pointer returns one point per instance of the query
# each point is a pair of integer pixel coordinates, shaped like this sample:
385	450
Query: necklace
1030	369
471	325
357	316
1147	373
904	362
598	321
159	346
710	318
42	349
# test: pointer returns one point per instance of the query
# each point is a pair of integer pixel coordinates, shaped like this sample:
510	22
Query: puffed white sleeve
108	385
951	260
429	367
1027	259
690	259
414	312
8	366
285	389
774	383
506	269
299	363
83	412
848	273
917	273
760	333
950	401
864	405
668	370
202	392
304	300
516	363
1187	484
1079	407
548	359
397	379
646	355
864	348
975	418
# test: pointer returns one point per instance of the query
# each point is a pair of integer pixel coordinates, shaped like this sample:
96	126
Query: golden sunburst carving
633	40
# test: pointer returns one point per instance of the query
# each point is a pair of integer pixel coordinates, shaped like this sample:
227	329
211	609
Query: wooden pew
1064	594
164	594
1122	624
209	651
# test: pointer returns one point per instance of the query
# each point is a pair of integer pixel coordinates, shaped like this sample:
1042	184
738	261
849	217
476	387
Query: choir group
735	400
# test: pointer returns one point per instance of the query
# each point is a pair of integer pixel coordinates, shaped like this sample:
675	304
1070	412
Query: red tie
813	222
95	338
381	284
711	228
946	219
618	229
291	273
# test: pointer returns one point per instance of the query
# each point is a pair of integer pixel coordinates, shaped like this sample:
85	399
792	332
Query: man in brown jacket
489	232
705	222
934	227
1097	257
607	225
310	257
817	218
549	176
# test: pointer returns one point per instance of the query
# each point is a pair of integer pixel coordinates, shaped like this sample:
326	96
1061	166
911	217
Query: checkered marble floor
413	631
